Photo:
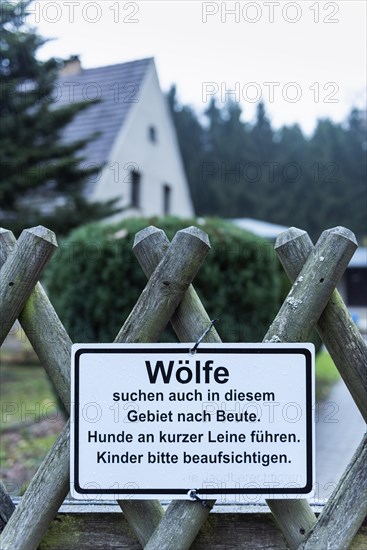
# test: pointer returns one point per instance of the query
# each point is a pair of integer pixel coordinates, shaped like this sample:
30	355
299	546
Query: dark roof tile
117	86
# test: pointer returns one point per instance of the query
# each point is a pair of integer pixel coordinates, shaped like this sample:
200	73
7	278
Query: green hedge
95	280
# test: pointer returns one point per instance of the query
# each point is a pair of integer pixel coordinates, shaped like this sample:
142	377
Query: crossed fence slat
345	510
42	326
21	272
289	249
149	317
188	322
295	517
335	325
336	246
6	506
347	507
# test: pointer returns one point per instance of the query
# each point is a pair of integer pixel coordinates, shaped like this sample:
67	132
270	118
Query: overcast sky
304	59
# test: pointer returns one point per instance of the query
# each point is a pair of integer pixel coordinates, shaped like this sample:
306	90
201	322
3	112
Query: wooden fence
169	296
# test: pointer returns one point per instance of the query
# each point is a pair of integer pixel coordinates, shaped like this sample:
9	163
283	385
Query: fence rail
169	296
101	526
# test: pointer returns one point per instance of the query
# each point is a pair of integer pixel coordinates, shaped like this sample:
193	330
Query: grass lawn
26	395
30	423
326	375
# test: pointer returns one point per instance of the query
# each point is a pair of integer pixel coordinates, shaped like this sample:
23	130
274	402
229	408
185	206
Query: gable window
167	196
152	134
135	189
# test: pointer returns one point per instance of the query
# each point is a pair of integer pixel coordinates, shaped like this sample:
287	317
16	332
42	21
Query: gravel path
339	430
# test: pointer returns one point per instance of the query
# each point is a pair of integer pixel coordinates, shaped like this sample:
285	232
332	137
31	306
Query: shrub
95	280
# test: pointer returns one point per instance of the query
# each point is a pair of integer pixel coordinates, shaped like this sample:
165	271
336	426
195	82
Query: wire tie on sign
193	350
193	496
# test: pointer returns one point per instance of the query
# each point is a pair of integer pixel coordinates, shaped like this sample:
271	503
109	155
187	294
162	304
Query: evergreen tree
215	164
41	180
249	170
191	142
355	168
235	146
260	169
293	186
262	135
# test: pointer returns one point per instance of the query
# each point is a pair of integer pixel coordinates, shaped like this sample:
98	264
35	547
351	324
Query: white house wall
158	163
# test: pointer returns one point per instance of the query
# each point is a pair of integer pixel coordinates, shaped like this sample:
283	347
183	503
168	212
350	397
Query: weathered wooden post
21	272
347	507
305	302
181	521
149	317
295	516
190	318
6	506
166	287
38	318
335	325
158	303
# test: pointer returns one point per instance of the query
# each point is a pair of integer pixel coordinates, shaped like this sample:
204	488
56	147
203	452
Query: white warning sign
155	421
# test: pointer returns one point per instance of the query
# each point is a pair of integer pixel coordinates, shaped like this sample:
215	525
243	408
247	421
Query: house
353	288
136	149
353	284
260	228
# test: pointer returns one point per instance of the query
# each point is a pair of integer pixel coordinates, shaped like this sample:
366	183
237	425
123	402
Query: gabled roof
118	87
359	258
272	230
258	227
